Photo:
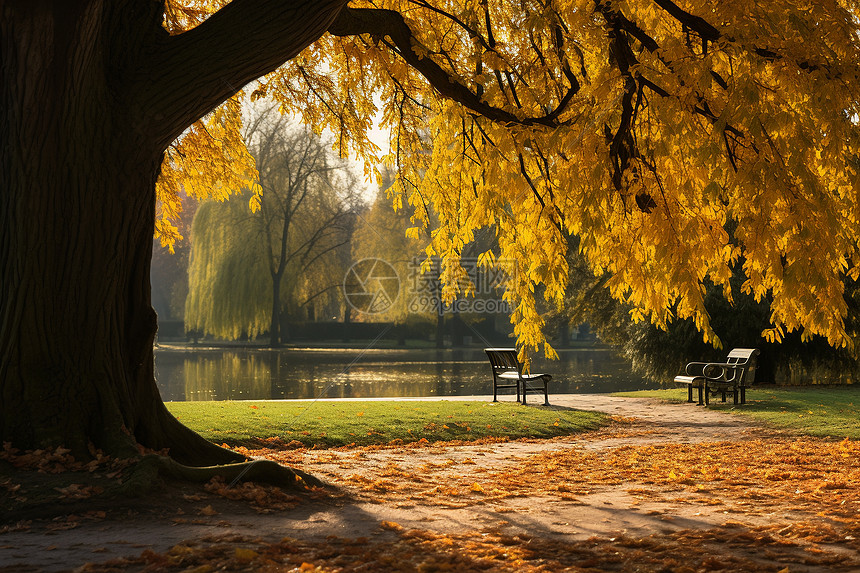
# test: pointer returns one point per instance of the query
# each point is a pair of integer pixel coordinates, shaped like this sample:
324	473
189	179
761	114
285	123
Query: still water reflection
261	374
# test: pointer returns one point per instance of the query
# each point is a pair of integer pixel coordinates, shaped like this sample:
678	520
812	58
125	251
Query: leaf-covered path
666	486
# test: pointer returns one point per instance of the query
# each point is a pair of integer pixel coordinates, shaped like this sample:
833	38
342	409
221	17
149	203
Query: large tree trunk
77	175
91	93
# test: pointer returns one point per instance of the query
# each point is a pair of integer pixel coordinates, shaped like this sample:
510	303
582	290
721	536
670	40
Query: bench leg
743	395
545	394
703	389
690	393
735	396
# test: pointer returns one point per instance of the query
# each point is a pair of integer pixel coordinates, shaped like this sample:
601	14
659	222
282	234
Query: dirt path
450	490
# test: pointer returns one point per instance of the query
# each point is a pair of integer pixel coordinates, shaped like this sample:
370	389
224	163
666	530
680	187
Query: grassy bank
332	424
817	411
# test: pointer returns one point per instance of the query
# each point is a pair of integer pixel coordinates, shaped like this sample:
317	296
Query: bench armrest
695	368
722	371
706	369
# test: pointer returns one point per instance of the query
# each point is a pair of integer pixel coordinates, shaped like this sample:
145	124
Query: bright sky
380	138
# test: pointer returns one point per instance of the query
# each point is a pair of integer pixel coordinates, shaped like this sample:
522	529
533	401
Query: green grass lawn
817	411
332	424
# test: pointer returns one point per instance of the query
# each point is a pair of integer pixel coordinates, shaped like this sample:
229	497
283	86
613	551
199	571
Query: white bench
735	374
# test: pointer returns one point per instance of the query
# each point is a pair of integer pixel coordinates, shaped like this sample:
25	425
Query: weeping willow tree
228	296
252	268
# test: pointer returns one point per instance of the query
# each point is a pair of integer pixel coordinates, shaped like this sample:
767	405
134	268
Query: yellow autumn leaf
208	510
244	554
390	525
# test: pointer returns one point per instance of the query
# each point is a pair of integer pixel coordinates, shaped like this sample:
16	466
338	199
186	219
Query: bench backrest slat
741	354
504	359
745	356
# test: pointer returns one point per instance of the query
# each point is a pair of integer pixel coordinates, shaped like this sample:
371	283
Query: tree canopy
643	127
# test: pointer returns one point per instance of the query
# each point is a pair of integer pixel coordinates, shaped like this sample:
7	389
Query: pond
185	373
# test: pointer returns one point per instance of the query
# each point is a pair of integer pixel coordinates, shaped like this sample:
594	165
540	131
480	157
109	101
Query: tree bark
275	328
83	128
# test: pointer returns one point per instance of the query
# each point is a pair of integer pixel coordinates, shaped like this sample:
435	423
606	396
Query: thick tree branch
620	22
382	23
625	58
710	33
193	72
705	30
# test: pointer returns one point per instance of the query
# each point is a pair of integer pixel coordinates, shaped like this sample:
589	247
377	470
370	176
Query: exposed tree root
146	472
161	430
46	493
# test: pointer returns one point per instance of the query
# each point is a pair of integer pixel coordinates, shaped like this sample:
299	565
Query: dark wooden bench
508	373
735	374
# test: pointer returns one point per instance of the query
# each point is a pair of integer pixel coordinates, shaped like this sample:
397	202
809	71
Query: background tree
230	292
250	269
380	233
642	127
660	354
